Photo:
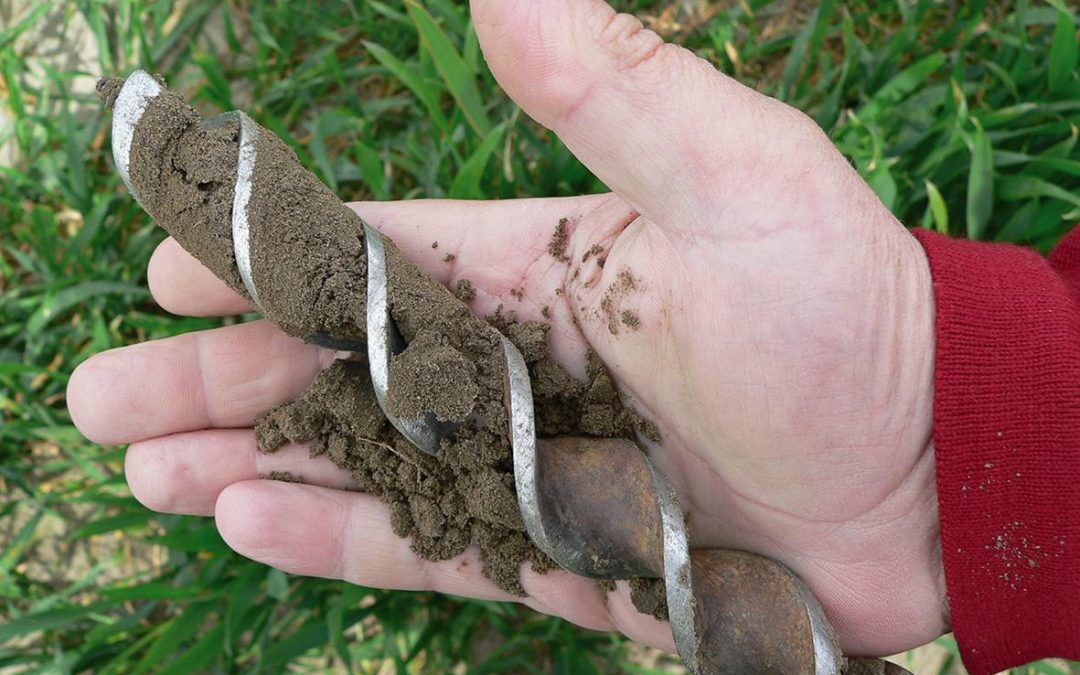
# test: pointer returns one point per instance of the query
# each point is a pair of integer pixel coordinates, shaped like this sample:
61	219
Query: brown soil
431	376
184	171
283	476
594	250
464	290
611	303
650	597
559	240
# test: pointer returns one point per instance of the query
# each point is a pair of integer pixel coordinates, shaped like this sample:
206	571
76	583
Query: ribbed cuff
1007	449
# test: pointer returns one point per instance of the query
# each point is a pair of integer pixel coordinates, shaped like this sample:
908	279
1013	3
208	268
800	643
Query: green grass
963	120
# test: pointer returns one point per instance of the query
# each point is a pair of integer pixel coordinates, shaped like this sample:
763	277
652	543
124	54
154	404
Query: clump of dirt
650	597
594	250
283	476
611	310
184	172
464	290
465	497
559	240
109	89
431	376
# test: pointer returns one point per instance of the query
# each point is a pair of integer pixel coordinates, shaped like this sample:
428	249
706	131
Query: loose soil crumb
449	257
108	89
283	476
531	339
611	311
434	244
650	597
595	249
605	585
865	667
559	240
430	376
184	171
465	290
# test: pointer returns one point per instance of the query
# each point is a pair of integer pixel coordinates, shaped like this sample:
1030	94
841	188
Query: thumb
665	130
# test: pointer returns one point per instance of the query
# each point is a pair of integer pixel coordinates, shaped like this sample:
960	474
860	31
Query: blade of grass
177	631
980	196
54	306
938	210
1062	58
49	619
466	184
459	79
427	95
807	41
196	658
1014	188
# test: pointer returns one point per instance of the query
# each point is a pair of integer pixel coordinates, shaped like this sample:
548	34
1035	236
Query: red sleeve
1007	446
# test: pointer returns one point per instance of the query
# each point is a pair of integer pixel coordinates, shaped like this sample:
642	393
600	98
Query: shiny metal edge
241	227
519	404
536	513
677	571
420	433
139	89
828	659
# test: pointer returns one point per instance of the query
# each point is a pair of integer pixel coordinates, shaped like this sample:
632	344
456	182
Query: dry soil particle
465	290
431	376
184	171
594	250
283	476
559	240
650	597
867	667
611	311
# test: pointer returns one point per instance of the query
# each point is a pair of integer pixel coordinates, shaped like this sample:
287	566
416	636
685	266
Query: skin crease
785	347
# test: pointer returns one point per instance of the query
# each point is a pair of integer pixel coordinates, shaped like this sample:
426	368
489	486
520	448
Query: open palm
755	300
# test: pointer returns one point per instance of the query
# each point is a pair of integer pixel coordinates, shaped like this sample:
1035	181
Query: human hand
784	346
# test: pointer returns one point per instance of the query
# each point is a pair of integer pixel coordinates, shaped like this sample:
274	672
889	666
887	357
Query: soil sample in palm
304	268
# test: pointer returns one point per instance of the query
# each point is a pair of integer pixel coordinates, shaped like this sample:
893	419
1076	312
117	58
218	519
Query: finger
182	285
216	378
185	473
327	533
662	128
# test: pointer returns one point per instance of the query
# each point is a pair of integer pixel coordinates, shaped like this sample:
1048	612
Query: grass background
962	116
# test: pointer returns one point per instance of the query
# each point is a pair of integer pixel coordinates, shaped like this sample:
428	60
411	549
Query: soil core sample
306	274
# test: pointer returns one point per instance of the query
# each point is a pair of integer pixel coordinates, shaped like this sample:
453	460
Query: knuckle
627	42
